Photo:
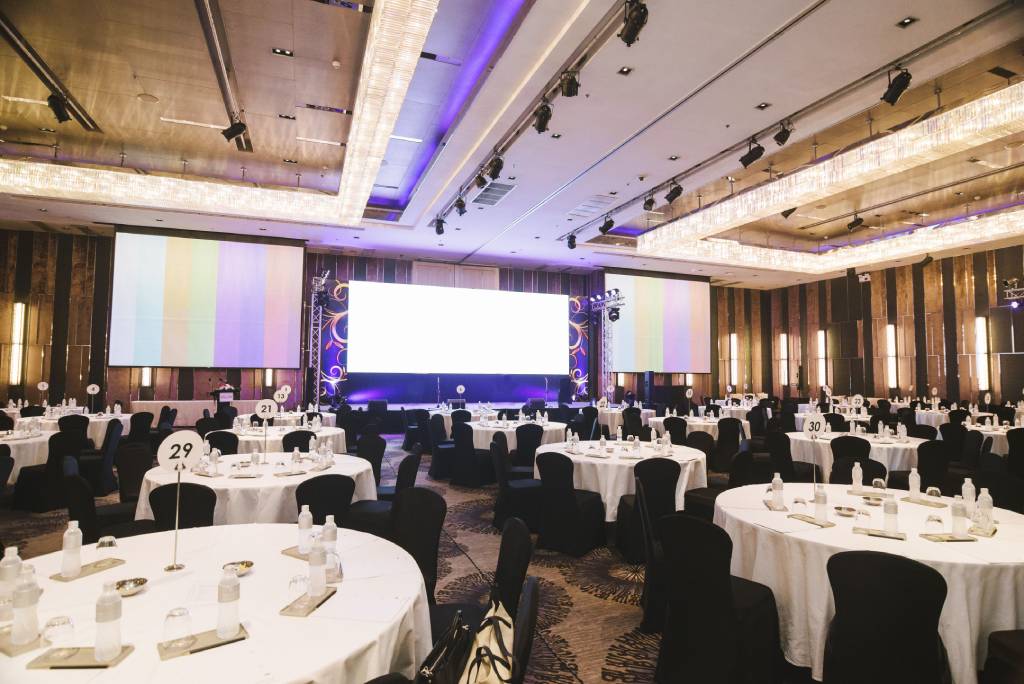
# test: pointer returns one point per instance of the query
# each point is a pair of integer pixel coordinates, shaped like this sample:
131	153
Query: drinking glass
863	518
60	633
933	524
298	586
878	483
800	505
105	548
178	629
934	493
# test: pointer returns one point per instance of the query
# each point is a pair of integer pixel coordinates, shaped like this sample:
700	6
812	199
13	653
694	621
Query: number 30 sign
814	425
180	451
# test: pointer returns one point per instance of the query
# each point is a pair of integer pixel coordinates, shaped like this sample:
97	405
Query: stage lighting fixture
897	86
59	106
857	222
495	167
673	193
633	22
613	314
480	181
598	297
542	117
571	241
460	206
439	225
649	203
782	136
570	83
754	152
1015	304
615	292
786	213
233	131
927	260
607	225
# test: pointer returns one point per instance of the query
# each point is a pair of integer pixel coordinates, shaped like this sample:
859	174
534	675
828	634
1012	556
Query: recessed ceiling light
511	177
905	22
674	157
47	130
763	105
147	98
159	220
290	117
43	209
283	52
556	136
289	161
26	100
406	138
625	71
263	229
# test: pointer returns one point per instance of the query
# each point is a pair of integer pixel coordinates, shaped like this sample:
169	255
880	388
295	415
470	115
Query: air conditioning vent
590	207
493	193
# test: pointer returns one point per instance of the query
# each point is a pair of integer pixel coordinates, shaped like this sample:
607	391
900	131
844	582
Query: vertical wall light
783	359
822	365
17	342
891	379
689	379
734	362
621	380
147	376
268	377
981	351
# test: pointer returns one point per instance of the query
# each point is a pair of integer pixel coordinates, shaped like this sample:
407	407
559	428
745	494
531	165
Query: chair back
371	448
421	418
32	411
6	422
589	414
514	557
702	441
953	434
437	431
77	424
112	436
1015	451
133	460
81	505
526	626
729	432
417	517
297	439
778	448
139	426
205	426
932	463
224	419
499	461
676	429
660	477
196	509
713	409
842	471
742	471
646	524
922	431
326	495
851	448
6	465
958	416
254	419
837	422
528	438
859	644
757	417
227	442
632	421
555	471
971	448
408	469
907	416
462	433
461	416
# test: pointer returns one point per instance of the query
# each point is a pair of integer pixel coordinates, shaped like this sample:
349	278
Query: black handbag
447	660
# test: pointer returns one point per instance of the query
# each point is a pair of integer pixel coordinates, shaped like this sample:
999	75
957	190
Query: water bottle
984	516
108	624
26	607
305	530
890	509
959	516
228	592
71	561
820	503
777	491
296	456
618	433
317	570
857	475
602	442
915	484
312	445
968	492
10	567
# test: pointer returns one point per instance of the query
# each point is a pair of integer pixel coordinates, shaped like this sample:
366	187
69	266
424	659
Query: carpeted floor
589	606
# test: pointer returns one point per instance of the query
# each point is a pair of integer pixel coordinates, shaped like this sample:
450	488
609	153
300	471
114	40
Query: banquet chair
205	426
660	477
442	454
422	419
958	416
842	471
40	488
932	466
77	424
1006	414
461	416
412	429
516	498
572	520
138	430
953	434
837	422
1015	451
32	411
132	461
632	421
371	448
713	409
675	427
514	557
196	509
469	469
963	459
730	431
700	502
702	441
226	442
6	466
377	408
417	518
165	412
757	418
787	420
254	419
587	431
225	419
512	471
297	439
652	599
97	465
851	448
778	448
922	431
374	516
905	645
528	438
906	416
1005	661
6	422
971	449
406	478
96	521
526	627
326	495
727	630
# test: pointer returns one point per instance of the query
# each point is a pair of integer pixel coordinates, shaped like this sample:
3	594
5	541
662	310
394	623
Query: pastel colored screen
200	303
664	326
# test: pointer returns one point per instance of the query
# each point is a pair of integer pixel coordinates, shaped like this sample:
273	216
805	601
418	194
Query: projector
864	277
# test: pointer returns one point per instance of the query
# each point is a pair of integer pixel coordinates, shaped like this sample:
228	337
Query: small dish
845	511
873	500
241	568
130	587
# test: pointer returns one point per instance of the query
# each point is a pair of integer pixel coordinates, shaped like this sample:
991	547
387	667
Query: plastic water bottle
71	561
984	517
915	484
820	503
857	475
618	433
26	607
305	530
10	567
228	592
317	570
777	491
296	456
890	509
108	624
959	515
968	492
602	442
312	445
329	540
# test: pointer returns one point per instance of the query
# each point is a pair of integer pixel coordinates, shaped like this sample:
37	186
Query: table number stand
178	452
175	565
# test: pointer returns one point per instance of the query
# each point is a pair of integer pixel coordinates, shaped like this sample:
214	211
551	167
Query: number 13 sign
180	451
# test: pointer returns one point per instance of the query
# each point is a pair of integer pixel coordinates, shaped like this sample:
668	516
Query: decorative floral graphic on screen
579	344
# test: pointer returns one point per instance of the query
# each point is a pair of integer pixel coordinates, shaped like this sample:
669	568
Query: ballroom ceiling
687	104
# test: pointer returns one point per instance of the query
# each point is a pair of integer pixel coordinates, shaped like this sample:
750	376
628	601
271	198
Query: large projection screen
426	329
665	325
205	303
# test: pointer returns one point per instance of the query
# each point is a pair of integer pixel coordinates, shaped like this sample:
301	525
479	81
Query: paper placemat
82	658
90	569
204	641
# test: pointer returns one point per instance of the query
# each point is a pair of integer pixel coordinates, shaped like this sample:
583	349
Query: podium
224	397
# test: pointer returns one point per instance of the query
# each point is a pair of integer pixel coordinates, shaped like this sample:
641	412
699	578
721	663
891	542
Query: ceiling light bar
406	138
26	100
186	122
318	141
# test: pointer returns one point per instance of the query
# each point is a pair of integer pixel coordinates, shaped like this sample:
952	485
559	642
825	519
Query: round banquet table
293	418
484	431
708	425
612	417
97	425
985	579
998	434
735	412
799	418
474	416
377	622
935	418
27	450
252	438
890	452
269	498
610	473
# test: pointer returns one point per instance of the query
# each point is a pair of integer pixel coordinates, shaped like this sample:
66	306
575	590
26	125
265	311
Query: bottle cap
72	524
10	551
305	508
229	589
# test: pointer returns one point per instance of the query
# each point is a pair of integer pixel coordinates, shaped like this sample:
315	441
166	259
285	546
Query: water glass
878	483
105	548
178	629
799	505
934	493
60	633
933	524
297	586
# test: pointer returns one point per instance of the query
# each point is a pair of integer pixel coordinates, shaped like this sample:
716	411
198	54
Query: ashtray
240	567
130	587
873	500
845	511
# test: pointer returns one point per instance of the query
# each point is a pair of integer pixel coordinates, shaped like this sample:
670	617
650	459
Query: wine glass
178	629
60	633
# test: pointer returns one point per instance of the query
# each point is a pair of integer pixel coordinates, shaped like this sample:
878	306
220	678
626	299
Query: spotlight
480	181
754	152
897	86
673	193
1011	282
233	131
613	314
598	297
460	206
782	136
495	167
616	292
634	20
542	117
857	222
1015	304
439	225
59	106
927	260
570	83
649	203
786	213
571	241
607	225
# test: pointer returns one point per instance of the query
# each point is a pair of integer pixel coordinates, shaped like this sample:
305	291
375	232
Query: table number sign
178	453
815	425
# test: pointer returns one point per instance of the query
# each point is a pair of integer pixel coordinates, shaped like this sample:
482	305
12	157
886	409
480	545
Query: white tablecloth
474	416
97	425
191	410
612	477
697	425
484	431
941	417
27	451
735	412
612	417
999	443
377	622
293	418
252	438
799	419
266	499
894	455
985	579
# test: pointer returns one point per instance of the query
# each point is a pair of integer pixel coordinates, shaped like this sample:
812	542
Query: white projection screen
426	329
665	325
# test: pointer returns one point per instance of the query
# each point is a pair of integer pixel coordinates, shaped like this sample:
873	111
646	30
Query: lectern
224	397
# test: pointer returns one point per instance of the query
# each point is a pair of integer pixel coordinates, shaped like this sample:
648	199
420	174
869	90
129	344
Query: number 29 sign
180	451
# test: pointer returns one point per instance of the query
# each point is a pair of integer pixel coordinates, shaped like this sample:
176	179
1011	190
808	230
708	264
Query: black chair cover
417	518
297	439
227	442
326	495
572	520
196	509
